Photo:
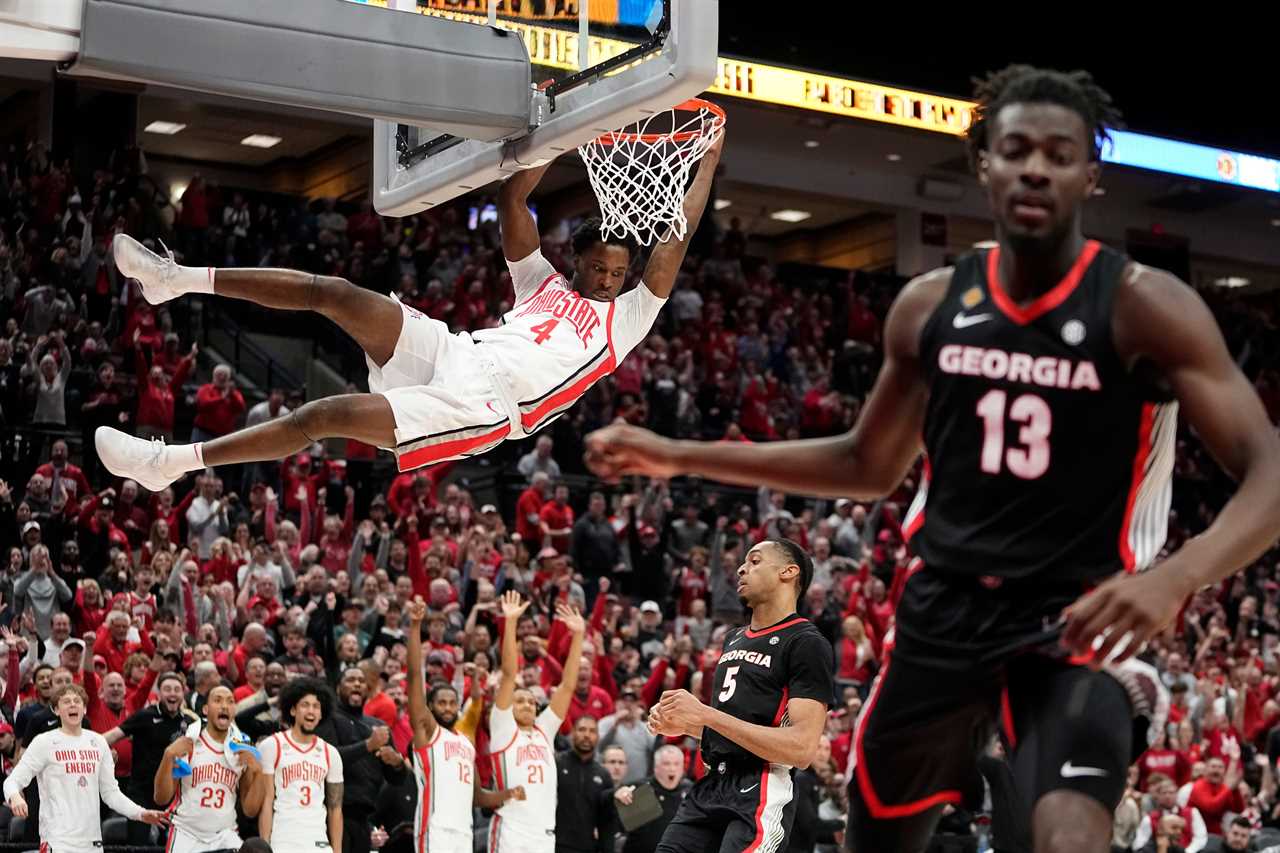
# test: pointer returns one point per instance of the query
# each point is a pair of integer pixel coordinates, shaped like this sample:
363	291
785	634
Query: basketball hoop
639	175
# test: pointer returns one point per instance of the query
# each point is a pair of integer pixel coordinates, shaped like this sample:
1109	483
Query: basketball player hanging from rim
436	396
1044	376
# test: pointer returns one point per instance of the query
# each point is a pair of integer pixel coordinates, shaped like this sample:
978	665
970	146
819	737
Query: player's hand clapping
681	710
658	724
378	739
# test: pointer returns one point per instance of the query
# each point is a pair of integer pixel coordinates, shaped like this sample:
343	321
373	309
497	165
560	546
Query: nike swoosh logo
964	321
1070	771
749	790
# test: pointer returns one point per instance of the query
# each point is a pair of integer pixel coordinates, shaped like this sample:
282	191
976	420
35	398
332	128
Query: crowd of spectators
254	574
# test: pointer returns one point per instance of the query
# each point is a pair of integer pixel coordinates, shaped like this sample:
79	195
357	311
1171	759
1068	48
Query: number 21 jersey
1046	456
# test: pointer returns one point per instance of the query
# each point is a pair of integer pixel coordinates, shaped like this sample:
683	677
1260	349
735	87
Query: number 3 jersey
206	800
1046	457
758	673
299	774
554	344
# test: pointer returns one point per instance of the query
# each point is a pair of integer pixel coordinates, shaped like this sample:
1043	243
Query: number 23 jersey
206	804
1046	456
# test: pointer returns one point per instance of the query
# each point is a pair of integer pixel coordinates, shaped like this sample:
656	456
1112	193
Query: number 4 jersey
555	343
1046	457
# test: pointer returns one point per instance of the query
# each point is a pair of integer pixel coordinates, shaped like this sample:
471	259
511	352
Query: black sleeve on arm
132	724
247	721
812	674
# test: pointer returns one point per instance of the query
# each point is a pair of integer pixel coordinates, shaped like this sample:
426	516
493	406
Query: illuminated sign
553	47
550	47
807	90
610	12
1194	161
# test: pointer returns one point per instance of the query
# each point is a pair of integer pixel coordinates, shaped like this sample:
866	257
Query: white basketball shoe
162	278
150	462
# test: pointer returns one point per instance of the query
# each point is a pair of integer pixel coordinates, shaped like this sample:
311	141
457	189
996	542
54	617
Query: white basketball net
640	175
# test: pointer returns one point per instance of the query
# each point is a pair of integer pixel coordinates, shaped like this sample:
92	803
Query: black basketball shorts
918	739
734	810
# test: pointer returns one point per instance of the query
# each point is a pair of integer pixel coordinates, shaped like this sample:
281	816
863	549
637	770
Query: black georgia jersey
1045	456
759	672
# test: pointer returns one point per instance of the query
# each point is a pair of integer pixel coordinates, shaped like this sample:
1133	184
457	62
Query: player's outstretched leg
364	417
373	320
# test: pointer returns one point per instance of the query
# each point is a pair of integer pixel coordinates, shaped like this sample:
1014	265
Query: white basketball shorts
443	399
183	842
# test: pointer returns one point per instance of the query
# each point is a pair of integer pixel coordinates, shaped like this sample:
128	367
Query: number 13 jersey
1046	456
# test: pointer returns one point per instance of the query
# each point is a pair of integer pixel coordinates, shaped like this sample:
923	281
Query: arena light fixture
168	128
811	143
261	140
1099	190
1275	223
893	158
1232	281
722	203
790	215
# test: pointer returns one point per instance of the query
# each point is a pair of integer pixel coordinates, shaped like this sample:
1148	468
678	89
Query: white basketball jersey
556	343
206	802
528	759
444	770
299	776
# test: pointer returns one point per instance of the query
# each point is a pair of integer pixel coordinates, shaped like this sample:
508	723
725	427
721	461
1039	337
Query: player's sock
188	457
194	279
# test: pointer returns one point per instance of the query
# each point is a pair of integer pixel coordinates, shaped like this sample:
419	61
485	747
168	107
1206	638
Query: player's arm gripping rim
666	258
333	802
1158	318
793	743
519	230
867	462
420	717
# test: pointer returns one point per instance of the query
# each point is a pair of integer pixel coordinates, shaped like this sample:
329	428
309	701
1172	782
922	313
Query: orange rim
691	105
